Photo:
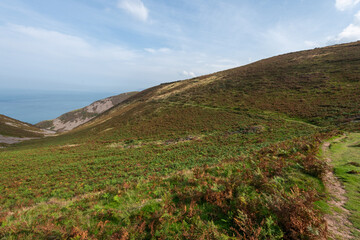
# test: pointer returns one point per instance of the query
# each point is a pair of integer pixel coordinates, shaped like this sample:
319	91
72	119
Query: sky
125	45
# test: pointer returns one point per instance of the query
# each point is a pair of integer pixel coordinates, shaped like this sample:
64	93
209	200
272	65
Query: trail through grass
345	156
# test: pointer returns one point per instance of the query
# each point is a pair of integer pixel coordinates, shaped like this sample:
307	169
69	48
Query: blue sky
123	45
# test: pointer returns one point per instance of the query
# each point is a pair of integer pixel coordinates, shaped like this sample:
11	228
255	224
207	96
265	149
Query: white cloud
346	4
135	8
188	74
350	33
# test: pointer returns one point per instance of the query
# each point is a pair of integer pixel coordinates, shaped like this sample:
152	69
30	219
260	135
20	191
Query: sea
33	106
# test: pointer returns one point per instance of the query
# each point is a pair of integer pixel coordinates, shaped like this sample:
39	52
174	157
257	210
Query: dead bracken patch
131	144
182	86
181	140
70	146
55	201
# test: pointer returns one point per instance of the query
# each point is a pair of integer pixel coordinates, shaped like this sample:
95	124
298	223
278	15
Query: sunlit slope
13	128
320	86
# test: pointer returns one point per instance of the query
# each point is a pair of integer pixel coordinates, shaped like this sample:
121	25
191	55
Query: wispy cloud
46	58
311	44
160	50
342	5
357	17
189	74
61	44
284	38
135	8
36	56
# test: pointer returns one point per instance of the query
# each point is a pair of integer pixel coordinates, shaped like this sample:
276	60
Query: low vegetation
254	191
232	155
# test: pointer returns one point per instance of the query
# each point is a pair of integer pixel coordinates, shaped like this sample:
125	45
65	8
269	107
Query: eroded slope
73	119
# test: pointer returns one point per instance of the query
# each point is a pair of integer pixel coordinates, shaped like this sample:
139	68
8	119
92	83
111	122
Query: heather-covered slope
73	119
320	86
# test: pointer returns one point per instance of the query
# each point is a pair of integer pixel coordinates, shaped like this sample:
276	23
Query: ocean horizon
35	106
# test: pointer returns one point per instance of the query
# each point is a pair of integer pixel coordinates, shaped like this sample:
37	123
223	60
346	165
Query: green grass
345	156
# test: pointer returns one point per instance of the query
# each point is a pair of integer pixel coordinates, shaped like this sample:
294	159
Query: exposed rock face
73	119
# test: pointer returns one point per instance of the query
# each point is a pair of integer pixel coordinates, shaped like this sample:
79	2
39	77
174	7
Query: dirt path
12	140
338	223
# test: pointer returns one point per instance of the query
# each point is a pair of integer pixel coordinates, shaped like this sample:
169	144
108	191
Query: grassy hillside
14	128
231	155
319	86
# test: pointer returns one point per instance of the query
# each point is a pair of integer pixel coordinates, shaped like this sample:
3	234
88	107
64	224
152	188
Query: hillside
73	119
13	131
230	155
319	86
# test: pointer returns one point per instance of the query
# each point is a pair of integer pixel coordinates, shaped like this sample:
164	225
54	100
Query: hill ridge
14	131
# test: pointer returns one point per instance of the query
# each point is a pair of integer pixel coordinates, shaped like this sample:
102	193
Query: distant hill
13	131
15	128
73	119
